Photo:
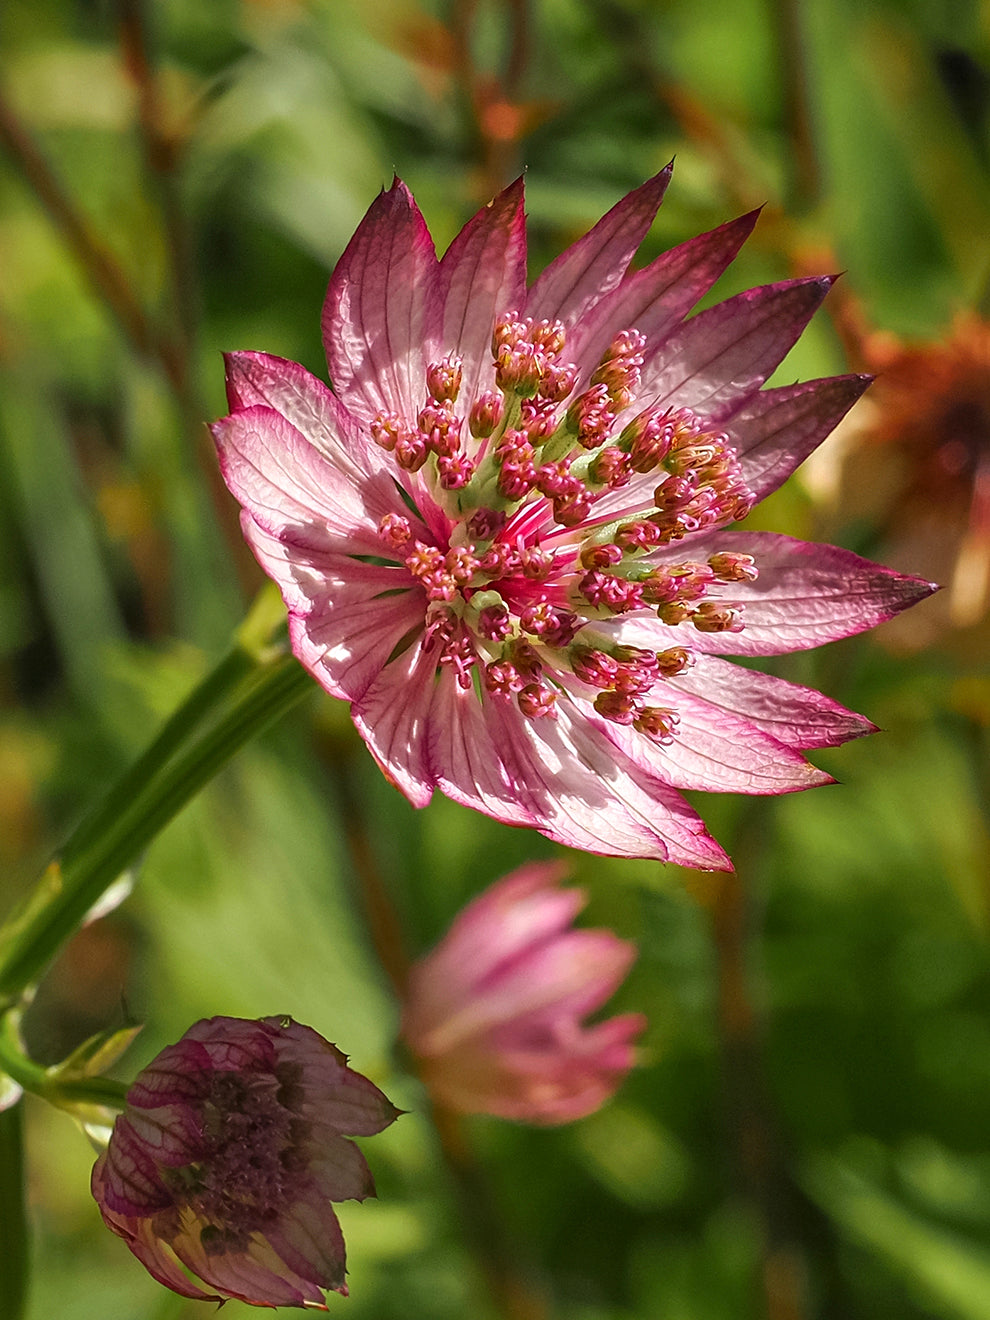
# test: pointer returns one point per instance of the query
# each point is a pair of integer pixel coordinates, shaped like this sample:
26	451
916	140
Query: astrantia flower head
220	1172
494	1013
505	536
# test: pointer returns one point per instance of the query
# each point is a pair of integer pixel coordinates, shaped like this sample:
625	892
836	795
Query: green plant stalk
14	1274
257	683
66	1092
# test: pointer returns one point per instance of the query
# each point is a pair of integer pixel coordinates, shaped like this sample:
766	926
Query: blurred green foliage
833	1155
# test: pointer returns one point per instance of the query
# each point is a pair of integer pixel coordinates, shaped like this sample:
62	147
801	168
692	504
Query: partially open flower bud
221	1169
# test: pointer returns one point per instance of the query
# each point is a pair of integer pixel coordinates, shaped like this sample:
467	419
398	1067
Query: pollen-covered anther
486	414
443	379
519	368
455	471
711	617
673	661
494	623
591	416
620	707
639	535
550	336
534	563
501	679
537	701
596	668
557	382
553	625
658	723
610	467
411	451
440	429
539	419
427	565
600	555
395	530
730	567
461	563
386	429
620	369
606	591
647	440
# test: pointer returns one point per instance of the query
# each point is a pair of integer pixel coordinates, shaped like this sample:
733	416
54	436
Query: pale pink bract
505	535
494	1013
220	1172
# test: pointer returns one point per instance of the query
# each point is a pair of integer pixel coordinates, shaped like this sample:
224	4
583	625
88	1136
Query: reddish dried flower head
220	1171
927	481
583	449
494	1013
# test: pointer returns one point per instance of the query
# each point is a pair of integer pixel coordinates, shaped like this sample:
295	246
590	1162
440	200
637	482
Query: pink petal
724	354
719	752
334	1093
287	485
655	299
160	1260
482	275
305	402
590	268
520	911
777	429
374	316
797	716
345	617
807	594
563	777
393	717
308	1238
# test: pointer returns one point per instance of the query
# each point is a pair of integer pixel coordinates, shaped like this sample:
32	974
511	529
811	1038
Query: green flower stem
68	1092
14	1273
250	688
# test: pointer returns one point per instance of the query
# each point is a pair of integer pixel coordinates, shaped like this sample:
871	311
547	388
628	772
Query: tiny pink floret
505	480
220	1173
495	1013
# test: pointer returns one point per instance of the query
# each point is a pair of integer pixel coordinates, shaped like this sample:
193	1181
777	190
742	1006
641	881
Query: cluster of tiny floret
503	608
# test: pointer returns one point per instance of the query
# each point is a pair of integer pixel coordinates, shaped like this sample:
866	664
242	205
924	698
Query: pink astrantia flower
221	1169
505	534
494	1013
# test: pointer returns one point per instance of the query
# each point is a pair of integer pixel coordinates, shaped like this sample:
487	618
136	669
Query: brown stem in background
102	269
162	149
807	180
513	1297
792	1229
499	119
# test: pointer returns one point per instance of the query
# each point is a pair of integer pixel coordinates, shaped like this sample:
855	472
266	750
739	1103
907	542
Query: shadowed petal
797	716
777	429
656	298
724	354
590	268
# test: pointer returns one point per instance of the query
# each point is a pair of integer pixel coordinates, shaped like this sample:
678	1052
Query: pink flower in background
505	535
494	1013
224	1163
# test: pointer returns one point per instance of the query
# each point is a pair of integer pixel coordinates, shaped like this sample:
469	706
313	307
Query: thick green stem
248	690
68	1092
13	1217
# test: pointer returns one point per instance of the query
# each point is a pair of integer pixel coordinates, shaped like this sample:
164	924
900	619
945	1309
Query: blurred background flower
494	1014
807	1136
